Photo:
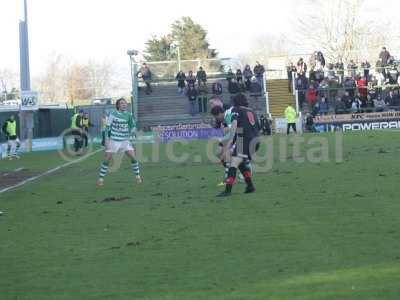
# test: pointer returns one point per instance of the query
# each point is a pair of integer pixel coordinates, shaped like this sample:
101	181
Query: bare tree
8	80
339	28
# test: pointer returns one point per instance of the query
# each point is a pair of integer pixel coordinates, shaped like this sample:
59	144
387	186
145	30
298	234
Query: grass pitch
328	230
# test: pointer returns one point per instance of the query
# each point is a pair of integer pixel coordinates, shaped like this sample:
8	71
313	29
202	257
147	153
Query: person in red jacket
362	87
312	94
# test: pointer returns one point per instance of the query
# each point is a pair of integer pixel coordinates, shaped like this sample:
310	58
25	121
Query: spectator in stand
384	57
265	125
392	74
310	127
324	88
320	59
392	100
323	107
366	66
339	67
247	74
291	69
312	76
255	87
192	96
201	77
355	105
352	69
370	104
239	76
301	67
331	72
181	78
312	94
217	88
379	104
350	86
302	86
230	76
259	71
146	75
347	100
202	98
233	87
340	107
190	79
362	87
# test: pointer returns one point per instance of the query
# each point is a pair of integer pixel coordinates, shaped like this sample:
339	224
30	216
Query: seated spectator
247	74
340	107
181	78
301	67
370	104
233	87
190	79
230	76
217	88
319	75
392	99
339	67
392	75
312	76
201	76
259	71
347	100
379	104
323	107
192	96
324	88
311	96
350	86
255	87
356	105
331	72
239	76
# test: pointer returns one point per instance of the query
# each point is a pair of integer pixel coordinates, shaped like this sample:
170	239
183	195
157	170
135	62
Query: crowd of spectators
195	86
325	88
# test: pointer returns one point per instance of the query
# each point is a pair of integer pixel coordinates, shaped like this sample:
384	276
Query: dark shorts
12	137
246	148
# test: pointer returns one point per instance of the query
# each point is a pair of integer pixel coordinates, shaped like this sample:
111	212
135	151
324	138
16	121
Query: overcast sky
105	29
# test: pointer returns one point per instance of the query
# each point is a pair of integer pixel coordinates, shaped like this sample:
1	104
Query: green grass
327	230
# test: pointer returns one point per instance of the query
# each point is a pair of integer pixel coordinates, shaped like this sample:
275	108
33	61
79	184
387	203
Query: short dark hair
216	110
118	102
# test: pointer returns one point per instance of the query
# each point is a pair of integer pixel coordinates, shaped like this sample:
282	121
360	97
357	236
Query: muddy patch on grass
8	179
115	199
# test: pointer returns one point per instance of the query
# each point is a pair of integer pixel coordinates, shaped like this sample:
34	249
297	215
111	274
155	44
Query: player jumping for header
119	129
244	141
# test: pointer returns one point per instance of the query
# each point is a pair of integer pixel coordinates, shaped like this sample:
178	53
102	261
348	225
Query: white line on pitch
48	172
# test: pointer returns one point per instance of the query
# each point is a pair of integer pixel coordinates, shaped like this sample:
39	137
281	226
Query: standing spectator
384	57
259	71
392	99
320	60
181	78
310	127
247	74
233	87
230	76
217	88
239	76
291	71
366	66
301	67
339	67
350	86
190	79
192	96
362	87
255	87
290	115
76	130
201	77
147	77
10	130
265	124
352	69
393	75
301	86
202	92
312	96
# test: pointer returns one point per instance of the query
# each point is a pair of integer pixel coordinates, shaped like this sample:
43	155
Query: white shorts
117	146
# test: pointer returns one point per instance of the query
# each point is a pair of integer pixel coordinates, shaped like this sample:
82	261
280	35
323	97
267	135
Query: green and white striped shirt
120	125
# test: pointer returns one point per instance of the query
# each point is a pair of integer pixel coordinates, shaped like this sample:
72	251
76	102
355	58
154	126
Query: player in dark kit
245	142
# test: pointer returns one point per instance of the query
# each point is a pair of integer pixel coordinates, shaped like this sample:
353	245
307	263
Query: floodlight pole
134	93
